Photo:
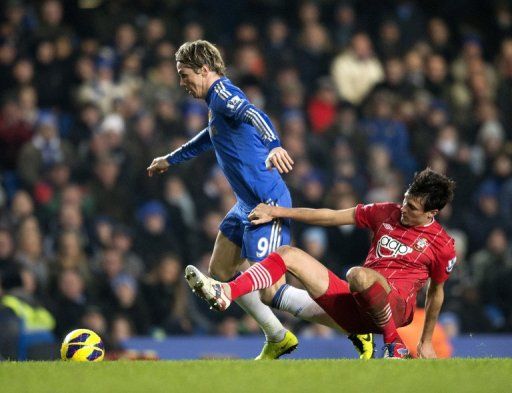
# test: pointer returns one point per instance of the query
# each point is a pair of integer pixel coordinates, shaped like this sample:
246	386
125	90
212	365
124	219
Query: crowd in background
363	94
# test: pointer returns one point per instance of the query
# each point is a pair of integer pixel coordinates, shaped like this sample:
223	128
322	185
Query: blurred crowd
363	93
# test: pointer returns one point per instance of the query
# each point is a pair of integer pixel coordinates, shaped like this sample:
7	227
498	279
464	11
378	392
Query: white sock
298	303
251	303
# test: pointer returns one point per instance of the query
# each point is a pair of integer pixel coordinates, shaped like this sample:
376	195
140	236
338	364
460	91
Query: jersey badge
233	103
451	264
420	244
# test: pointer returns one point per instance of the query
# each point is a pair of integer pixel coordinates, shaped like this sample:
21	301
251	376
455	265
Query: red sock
374	301
258	276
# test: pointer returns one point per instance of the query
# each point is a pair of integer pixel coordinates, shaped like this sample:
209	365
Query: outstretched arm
325	217
435	297
197	145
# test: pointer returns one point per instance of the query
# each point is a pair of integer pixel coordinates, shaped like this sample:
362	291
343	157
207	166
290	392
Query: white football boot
207	288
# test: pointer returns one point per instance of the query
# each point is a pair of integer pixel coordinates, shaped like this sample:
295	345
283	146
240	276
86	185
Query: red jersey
406	256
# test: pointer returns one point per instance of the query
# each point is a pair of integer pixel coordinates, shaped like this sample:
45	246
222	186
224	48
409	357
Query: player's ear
204	70
432	213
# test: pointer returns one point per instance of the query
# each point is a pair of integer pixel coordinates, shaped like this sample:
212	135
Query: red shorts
341	306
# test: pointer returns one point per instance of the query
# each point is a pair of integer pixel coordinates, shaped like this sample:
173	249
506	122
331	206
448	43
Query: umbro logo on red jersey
388	226
389	247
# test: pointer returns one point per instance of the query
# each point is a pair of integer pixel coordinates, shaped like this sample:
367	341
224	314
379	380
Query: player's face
412	212
193	82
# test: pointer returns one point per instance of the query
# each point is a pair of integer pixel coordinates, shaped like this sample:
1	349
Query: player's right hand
279	159
261	214
158	165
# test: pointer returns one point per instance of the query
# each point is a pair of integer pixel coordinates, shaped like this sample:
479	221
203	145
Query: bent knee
356	277
286	251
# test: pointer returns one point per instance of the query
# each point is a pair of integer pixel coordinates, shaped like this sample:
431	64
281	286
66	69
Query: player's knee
286	252
356	277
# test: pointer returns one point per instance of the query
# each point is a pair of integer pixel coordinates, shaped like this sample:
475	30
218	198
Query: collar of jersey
210	90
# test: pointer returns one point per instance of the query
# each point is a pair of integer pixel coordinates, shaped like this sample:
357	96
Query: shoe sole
285	352
193	277
289	350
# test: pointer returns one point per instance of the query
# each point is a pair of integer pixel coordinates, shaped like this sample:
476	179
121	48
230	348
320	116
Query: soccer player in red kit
409	247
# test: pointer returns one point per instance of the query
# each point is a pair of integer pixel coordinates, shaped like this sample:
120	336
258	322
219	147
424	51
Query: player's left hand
280	159
426	350
261	214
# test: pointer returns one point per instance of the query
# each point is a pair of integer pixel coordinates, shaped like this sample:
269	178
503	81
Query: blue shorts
256	241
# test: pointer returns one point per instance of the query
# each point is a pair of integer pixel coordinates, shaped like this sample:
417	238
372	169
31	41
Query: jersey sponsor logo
389	247
420	244
233	103
451	264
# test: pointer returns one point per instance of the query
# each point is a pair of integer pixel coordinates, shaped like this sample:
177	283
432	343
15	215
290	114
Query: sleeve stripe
261	124
221	90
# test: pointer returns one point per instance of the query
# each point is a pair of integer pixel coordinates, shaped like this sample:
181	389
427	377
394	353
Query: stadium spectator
356	70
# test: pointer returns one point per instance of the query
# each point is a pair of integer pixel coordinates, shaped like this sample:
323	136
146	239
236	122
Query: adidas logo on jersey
389	247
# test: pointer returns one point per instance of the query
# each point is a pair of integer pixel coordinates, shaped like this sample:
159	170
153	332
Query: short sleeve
444	262
372	215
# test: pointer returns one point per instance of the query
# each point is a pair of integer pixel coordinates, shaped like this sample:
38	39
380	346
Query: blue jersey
242	137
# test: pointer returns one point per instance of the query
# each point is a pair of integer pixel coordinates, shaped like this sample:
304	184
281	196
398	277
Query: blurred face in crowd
22	204
126	294
154	223
70	217
84	69
6	244
69	244
345	15
497	242
394	71
277	31
107	172
390	32
126	37
112	263
193	31
30	243
45	52
436	68
169	270
7	53
95	321
23	71
28	98
71	285
121	329
438	31
362	46
52	12
155	30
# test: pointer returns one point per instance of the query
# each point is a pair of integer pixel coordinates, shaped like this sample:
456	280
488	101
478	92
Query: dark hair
435	189
198	53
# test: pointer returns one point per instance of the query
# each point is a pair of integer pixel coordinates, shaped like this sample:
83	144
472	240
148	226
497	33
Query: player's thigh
311	273
259	241
225	258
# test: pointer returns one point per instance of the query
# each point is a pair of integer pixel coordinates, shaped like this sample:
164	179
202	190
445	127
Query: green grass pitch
241	376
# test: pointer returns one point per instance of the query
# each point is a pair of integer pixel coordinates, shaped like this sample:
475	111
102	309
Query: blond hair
198	53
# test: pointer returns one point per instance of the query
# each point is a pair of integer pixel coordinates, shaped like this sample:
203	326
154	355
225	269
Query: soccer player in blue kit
247	149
